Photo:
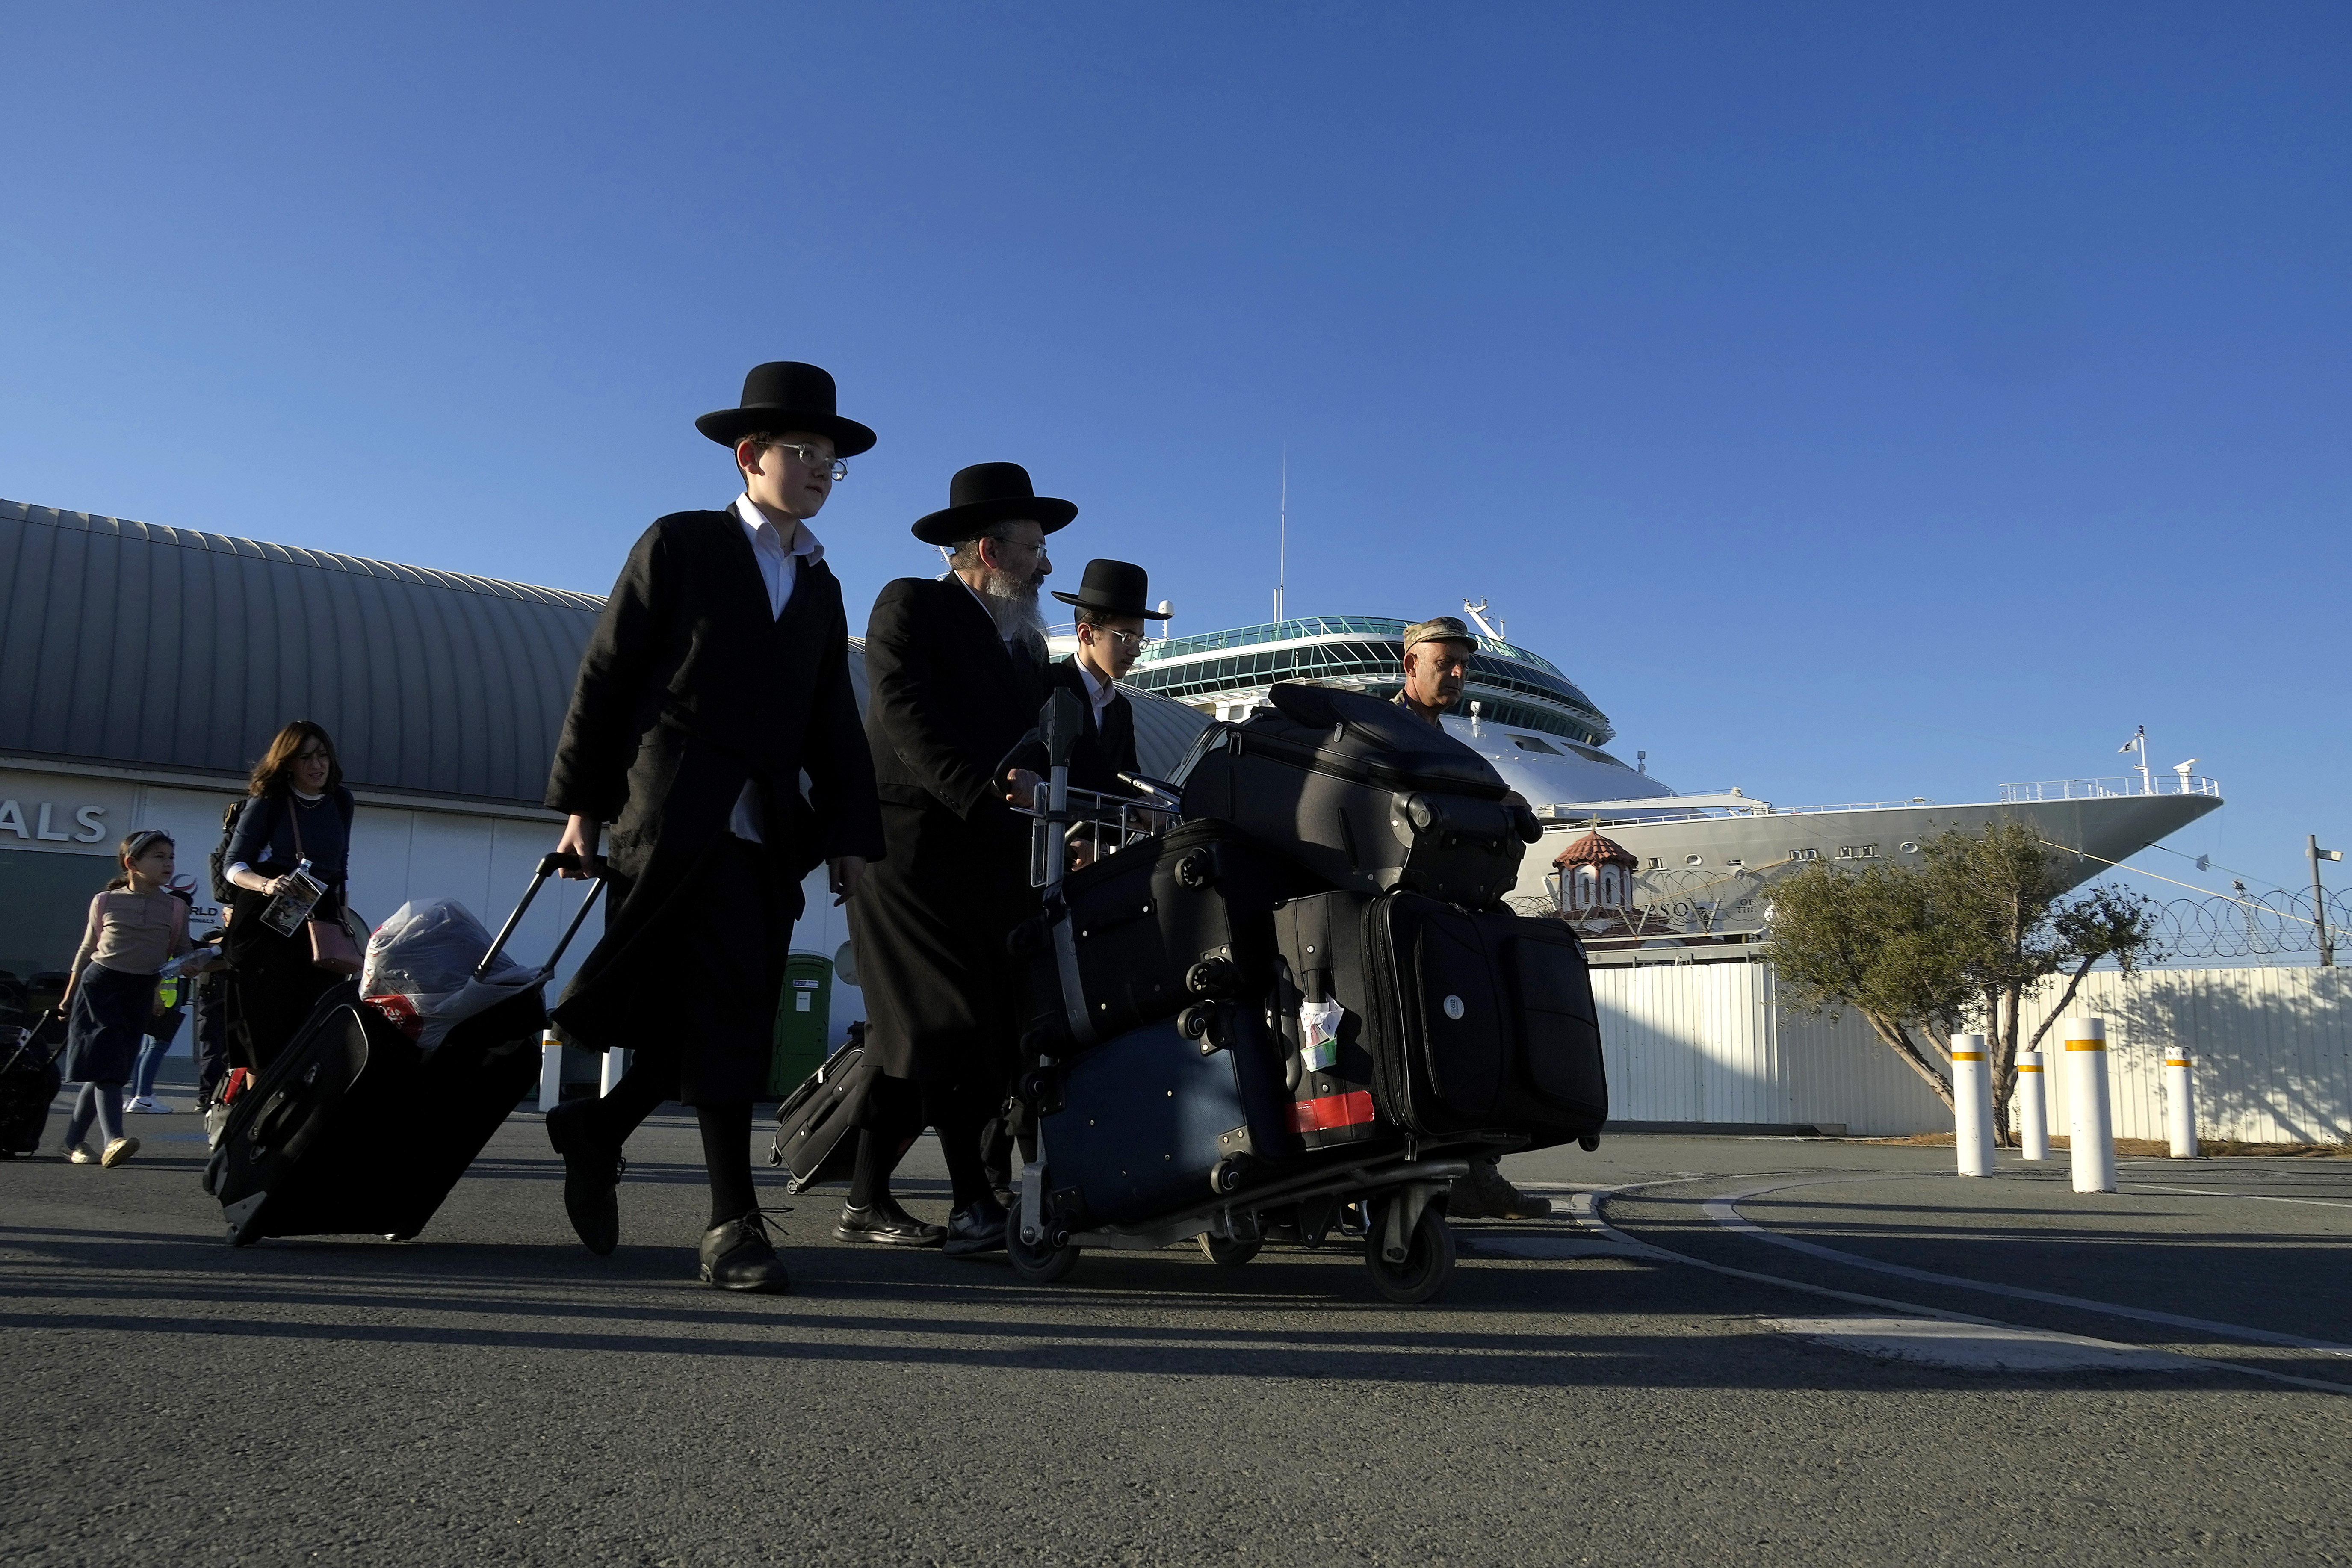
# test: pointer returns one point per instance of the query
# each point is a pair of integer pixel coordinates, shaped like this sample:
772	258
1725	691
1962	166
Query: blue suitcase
1152	1122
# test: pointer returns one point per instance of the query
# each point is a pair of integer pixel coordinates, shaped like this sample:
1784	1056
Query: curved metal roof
139	645
133	643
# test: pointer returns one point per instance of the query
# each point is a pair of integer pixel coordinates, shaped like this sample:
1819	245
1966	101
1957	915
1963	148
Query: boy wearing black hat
1111	611
717	677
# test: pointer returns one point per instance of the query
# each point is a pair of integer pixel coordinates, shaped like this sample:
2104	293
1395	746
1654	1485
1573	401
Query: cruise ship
1702	861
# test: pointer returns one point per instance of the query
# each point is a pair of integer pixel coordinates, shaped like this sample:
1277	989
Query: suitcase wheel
1228	1174
1211	976
1197	869
1041	1262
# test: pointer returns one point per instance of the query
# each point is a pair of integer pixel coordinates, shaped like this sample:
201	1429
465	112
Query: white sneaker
148	1106
82	1154
121	1149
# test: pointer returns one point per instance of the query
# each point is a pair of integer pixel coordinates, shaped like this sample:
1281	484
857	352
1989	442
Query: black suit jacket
688	687
1103	751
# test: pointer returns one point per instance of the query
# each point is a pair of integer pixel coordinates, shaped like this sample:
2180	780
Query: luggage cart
1391	1197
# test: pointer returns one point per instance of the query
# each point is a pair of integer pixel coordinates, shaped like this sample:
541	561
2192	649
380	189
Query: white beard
1013	604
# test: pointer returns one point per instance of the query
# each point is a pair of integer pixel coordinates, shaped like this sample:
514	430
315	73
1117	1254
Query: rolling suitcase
1165	1116
1363	795
1172	919
1449	1021
355	1128
814	1122
29	1081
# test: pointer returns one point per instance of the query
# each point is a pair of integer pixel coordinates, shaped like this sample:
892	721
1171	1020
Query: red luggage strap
1347	1109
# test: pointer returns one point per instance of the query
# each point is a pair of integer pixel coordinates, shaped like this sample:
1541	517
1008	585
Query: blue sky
1859	401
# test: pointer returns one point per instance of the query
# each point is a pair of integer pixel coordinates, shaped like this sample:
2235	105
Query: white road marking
1586	1209
2258	1198
1722	1209
1972	1347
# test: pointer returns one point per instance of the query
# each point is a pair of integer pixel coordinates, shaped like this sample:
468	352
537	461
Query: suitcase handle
547	866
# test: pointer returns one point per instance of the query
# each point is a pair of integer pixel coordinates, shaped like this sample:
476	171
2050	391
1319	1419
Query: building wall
1708	1043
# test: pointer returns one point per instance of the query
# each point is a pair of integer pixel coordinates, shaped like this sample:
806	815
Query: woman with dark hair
136	927
296	810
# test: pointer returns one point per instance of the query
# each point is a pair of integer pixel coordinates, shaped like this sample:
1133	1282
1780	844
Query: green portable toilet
802	1014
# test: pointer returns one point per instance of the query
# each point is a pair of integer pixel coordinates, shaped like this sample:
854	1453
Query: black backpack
223	890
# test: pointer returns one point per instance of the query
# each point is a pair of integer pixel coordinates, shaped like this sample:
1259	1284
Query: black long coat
946	700
1103	751
687	689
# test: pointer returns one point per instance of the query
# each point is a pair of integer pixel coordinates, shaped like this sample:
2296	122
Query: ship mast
1282	536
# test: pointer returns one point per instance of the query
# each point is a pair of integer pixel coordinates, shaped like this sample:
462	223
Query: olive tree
1868	939
1996	896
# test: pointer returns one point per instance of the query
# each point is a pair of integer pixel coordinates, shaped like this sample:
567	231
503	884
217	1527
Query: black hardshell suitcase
1363	795
29	1081
1457	1020
1176	919
354	1129
1159	1120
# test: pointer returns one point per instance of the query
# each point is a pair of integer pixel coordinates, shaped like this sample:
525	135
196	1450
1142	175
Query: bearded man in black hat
955	672
717	677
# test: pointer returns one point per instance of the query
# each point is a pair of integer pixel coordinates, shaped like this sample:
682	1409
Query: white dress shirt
780	566
1100	689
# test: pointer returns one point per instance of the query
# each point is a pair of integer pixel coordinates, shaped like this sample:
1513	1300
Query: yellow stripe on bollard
2087	1044
2028	1066
1968	1055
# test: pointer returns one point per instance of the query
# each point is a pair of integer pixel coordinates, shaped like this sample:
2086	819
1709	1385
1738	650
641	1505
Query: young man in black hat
717	677
1111	609
1437	663
955	672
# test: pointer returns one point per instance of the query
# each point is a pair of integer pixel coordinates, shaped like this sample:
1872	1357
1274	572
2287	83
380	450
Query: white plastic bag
420	970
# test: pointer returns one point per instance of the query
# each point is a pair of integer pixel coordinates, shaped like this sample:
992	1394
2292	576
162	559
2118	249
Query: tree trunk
1896	1039
2006	1005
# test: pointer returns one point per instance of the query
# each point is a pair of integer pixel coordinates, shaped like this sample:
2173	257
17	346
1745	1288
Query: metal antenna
1282	536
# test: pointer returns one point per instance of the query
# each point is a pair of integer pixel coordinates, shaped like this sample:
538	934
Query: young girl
136	926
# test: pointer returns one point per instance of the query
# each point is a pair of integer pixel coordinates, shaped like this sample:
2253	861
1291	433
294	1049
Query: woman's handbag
332	947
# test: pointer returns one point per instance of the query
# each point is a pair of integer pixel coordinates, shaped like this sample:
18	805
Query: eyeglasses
1138	640
831	468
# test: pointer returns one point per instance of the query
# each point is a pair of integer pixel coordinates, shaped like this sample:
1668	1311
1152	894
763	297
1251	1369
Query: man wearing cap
955	672
717	677
1436	662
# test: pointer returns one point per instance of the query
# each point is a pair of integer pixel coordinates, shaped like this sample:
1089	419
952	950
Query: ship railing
1573	814
2109	789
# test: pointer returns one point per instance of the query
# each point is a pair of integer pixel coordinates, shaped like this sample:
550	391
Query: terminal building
145	668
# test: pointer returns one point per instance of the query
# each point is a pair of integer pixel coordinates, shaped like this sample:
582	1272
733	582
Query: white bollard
1972	1105
550	1072
2179	1103
617	1062
2090	1120
2032	1108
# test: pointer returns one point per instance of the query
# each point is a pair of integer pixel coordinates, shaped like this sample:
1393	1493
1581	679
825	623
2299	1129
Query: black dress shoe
884	1222
591	1171
975	1228
737	1256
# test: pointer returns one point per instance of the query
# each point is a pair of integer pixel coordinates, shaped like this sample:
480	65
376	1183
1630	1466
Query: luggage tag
1319	1035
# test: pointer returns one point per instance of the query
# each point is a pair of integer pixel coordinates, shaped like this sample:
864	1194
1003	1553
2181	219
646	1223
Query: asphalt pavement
1723	1349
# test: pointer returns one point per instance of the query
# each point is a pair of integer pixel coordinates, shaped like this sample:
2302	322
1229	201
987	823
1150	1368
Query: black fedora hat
785	394
986	493
1114	588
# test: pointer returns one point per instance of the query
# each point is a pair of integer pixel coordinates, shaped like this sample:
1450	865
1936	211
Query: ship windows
1736	865
1909	847
1694	859
1530	744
